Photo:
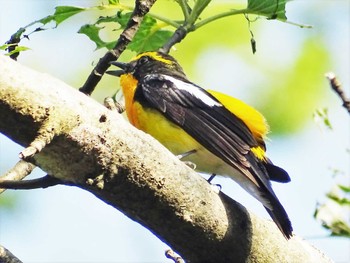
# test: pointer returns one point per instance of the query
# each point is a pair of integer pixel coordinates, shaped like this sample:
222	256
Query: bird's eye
143	60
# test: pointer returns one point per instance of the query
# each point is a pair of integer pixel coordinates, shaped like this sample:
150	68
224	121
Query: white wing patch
193	90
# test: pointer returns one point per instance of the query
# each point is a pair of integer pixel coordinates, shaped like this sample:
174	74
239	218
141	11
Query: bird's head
149	63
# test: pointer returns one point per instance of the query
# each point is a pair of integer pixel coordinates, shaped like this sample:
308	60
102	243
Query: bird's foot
190	164
217	187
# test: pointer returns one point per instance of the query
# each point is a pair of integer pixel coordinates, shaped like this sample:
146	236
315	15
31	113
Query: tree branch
177	37
97	150
7	257
17	173
141	9
42	182
336	86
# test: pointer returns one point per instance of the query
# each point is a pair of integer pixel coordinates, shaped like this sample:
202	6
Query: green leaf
109	19
151	42
122	18
62	13
334	218
3	47
92	32
113	2
15	48
148	37
339	195
273	9
142	37
339	200
345	189
321	115
18	49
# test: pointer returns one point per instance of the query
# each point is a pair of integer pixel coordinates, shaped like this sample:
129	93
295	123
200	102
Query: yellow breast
177	140
153	122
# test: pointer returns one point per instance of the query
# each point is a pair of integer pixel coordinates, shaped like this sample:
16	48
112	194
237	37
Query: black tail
267	197
276	173
279	216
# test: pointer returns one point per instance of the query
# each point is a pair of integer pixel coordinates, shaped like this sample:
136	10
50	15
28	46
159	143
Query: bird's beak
119	72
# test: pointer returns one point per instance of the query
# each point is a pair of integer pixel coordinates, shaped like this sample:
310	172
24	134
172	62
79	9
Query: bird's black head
149	63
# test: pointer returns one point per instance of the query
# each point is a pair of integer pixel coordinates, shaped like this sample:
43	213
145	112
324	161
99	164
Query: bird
219	134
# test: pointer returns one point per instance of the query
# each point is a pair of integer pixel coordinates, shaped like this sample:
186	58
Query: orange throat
129	85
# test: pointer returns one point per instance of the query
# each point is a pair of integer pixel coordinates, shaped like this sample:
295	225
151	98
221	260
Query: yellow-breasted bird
225	135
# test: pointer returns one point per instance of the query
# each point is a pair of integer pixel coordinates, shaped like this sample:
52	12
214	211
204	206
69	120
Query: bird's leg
188	163
211	178
216	185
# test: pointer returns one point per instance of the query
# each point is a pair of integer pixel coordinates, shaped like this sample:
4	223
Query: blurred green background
284	80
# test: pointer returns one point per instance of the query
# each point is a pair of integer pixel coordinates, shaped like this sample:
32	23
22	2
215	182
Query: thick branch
97	150
7	257
141	9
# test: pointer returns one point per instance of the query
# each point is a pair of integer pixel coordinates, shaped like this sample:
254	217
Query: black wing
221	132
203	117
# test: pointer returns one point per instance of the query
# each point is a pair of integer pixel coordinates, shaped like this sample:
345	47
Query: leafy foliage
321	115
15	49
62	13
273	9
149	36
113	2
334	213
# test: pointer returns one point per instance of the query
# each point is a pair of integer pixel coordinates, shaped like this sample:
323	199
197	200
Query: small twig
172	255
7	257
186	9
18	172
191	16
177	37
141	9
42	182
336	86
252	39
35	146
